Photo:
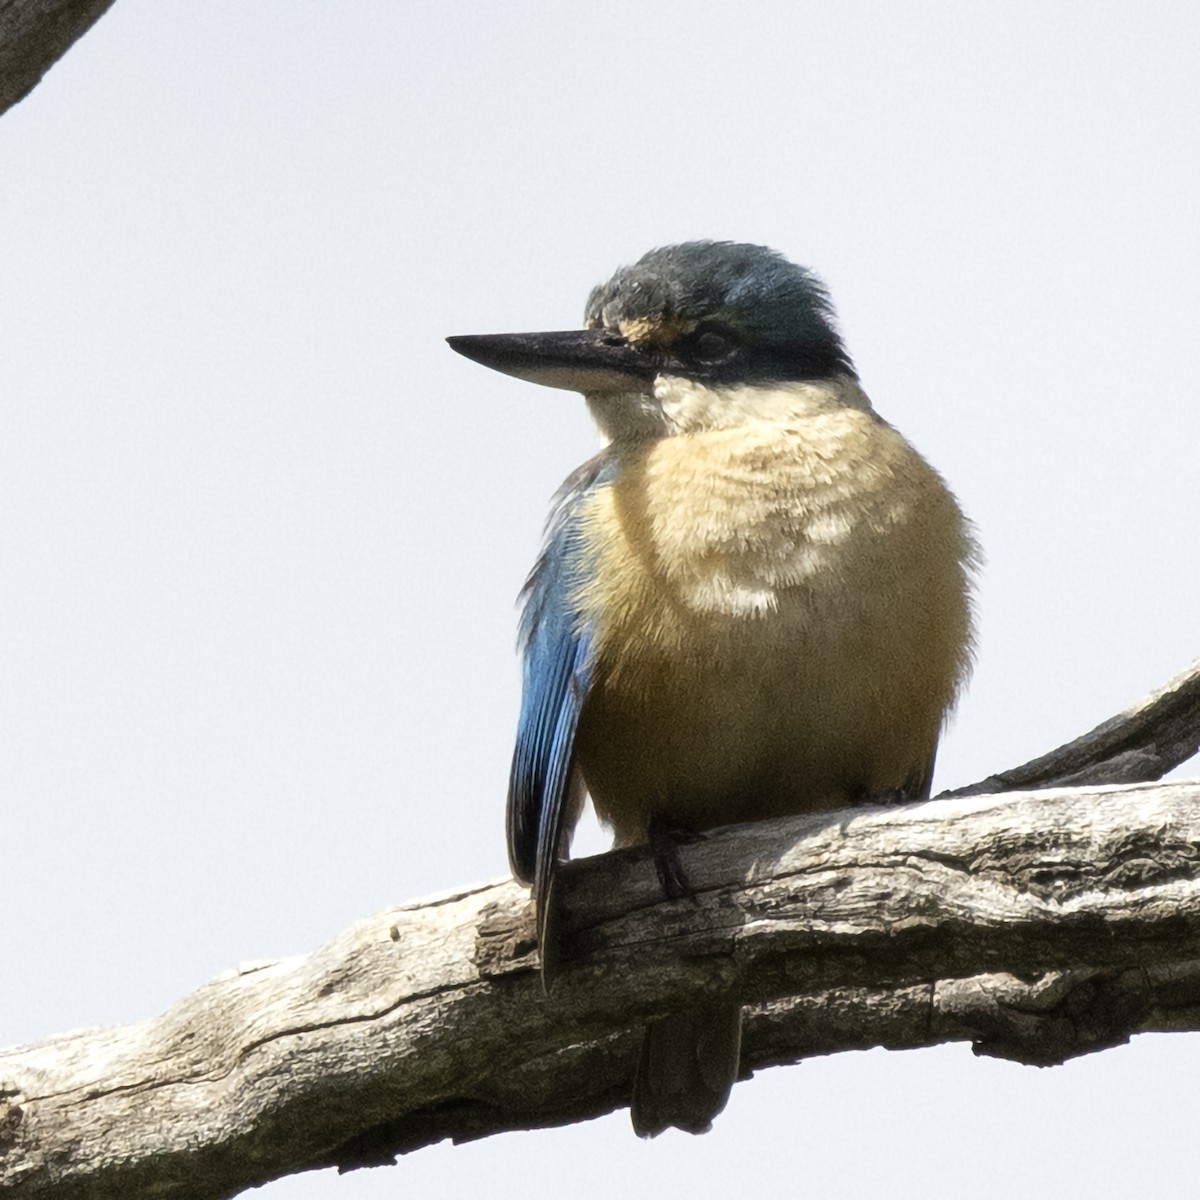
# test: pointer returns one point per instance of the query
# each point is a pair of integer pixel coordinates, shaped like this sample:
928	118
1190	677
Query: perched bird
754	601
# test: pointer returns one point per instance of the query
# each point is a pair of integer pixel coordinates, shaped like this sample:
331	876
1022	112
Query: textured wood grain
896	927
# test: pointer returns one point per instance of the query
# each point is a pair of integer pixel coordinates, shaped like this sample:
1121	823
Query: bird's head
689	336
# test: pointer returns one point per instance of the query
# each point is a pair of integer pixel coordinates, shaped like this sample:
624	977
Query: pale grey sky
261	531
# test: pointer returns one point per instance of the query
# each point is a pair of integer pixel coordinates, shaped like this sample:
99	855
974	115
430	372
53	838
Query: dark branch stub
34	35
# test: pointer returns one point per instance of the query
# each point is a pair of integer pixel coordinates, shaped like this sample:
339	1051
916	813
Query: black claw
664	845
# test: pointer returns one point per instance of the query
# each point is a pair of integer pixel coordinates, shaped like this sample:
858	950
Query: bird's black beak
580	360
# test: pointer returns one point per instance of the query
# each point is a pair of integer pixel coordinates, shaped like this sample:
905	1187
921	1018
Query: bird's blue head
723	311
716	312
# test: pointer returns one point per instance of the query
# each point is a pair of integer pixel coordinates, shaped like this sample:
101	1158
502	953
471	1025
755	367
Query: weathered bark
34	35
1036	925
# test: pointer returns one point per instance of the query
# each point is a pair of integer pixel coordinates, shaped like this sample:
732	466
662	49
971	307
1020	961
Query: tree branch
34	35
895	927
1142	743
1036	925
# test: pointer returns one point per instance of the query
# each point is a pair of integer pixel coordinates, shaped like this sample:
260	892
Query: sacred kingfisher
754	601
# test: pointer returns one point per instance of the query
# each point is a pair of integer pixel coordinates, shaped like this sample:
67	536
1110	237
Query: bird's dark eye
712	343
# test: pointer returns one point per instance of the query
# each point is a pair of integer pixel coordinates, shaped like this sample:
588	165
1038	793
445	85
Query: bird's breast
778	610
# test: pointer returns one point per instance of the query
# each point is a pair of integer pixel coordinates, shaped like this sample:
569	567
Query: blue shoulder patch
555	647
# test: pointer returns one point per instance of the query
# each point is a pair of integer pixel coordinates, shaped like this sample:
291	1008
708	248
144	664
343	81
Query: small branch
34	35
1143	743
896	927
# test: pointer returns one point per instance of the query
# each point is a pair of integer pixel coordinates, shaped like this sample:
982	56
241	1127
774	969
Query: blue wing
555	643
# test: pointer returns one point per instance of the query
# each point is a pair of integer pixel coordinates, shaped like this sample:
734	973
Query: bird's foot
664	845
